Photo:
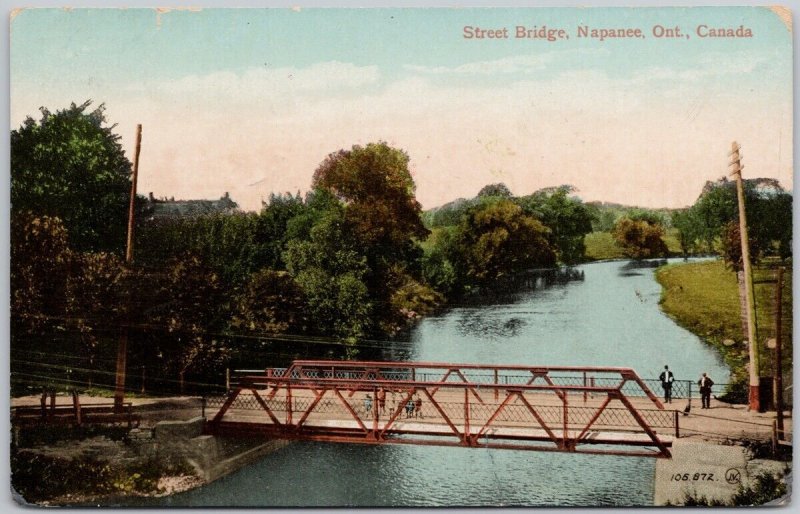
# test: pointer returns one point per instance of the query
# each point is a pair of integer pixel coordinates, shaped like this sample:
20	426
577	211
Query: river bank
110	465
703	297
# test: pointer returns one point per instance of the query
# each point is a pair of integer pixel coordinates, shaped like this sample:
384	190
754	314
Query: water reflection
488	325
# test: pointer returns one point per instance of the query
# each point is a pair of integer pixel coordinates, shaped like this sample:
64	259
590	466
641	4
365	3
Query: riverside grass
601	245
703	297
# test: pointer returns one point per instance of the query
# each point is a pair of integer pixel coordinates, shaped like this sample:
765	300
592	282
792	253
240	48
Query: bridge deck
525	416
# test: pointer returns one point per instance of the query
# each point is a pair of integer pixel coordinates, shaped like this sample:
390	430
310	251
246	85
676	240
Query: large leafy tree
640	239
330	270
377	188
381	213
497	240
568	219
71	165
769	215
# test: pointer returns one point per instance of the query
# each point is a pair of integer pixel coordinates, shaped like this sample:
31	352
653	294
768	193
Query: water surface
611	318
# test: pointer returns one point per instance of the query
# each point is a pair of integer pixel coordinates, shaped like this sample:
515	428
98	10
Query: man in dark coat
705	384
667	378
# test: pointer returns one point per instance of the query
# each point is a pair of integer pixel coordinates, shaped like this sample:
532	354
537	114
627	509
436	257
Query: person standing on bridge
381	397
705	384
367	404
418	407
667	378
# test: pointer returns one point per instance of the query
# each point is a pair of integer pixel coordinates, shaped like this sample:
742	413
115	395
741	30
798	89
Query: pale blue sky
250	100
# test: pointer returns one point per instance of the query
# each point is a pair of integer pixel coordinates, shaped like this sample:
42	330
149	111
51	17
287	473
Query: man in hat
667	378
705	384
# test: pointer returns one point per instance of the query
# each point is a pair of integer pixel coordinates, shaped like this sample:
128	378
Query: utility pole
754	399
778	354
122	347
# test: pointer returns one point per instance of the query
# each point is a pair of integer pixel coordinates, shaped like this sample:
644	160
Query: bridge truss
569	409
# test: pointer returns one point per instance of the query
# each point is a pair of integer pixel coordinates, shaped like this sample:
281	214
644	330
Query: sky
250	101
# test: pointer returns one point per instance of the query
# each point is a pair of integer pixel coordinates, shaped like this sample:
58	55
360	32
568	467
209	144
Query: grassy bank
601	245
703	297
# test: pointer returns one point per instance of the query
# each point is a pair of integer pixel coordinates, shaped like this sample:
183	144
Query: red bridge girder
545	408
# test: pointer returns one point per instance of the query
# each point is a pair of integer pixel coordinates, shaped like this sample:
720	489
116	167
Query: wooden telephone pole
122	347
754	398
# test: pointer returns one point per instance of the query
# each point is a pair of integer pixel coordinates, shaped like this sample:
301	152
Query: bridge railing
623	379
373	401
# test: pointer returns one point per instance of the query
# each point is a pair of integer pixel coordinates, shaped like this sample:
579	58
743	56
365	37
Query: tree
271	302
378	191
498	240
40	268
498	189
190	310
567	218
769	215
98	301
639	239
381	213
330	271
271	232
685	220
71	166
731	246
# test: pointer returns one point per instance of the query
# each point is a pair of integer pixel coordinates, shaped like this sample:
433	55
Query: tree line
355	258
345	261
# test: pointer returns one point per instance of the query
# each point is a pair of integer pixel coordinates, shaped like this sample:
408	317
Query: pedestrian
381	397
409	407
705	384
367	403
418	407
667	378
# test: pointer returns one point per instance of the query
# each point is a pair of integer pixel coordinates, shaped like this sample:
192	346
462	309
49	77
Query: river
611	318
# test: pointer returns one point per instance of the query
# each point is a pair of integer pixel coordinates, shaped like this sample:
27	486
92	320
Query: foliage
567	218
769	216
499	240
440	264
378	191
731	247
38	477
688	230
191	303
765	488
271	234
411	301
71	166
228	243
40	266
640	239
270	301
330	271
498	189
98	297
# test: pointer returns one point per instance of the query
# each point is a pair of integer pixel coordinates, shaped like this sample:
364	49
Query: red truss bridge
546	408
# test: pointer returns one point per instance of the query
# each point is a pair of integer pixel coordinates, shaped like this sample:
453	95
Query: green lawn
601	246
704	298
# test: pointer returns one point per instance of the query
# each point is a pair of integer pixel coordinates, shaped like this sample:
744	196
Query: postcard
401	257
